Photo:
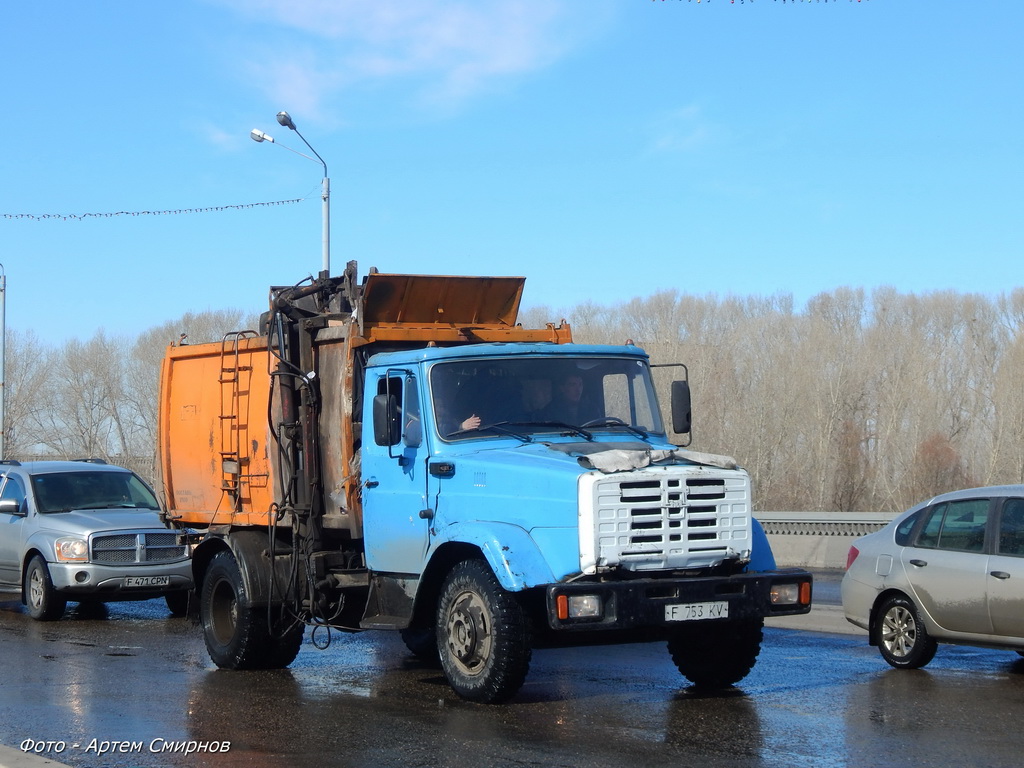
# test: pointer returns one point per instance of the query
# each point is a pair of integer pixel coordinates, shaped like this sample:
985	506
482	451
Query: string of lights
114	214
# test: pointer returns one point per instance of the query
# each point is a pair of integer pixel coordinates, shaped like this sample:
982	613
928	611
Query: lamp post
285	119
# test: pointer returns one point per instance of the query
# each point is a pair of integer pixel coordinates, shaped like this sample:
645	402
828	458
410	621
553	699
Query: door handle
919	563
999	574
371	482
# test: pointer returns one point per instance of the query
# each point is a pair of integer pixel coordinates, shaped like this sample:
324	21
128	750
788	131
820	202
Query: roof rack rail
11	462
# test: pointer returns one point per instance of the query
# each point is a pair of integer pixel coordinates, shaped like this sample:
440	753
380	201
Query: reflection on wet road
133	673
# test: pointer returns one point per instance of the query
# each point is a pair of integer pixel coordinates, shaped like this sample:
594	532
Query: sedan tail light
851	556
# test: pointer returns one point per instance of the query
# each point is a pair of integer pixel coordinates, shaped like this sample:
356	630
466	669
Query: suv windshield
543	394
86	489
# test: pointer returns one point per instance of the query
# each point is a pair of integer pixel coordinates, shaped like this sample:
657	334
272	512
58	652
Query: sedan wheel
901	635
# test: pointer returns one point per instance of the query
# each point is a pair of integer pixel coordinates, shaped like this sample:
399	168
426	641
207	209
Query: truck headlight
72	549
579	607
791	594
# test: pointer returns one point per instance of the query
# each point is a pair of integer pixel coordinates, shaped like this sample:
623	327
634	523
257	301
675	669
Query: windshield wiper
615	421
498	426
570	429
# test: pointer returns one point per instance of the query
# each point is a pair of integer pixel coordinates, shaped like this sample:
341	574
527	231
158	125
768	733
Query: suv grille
141	547
656	520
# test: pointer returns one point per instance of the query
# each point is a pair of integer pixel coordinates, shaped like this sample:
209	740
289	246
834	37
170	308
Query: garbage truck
398	452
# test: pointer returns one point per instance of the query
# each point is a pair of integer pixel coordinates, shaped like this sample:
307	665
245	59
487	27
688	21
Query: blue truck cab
550	465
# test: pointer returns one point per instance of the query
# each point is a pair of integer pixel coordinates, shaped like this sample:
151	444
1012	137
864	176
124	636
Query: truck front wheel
422	643
238	634
713	655
483	635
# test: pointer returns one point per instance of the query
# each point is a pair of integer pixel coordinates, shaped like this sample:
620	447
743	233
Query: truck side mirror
386	423
681	418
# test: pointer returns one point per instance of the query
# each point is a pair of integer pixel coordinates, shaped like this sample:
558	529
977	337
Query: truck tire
422	643
716	655
483	635
237	634
44	603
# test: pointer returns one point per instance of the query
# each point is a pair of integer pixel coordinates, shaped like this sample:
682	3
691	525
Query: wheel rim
223	612
36	588
469	633
899	631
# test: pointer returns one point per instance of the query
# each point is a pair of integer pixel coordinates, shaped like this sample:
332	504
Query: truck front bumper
662	603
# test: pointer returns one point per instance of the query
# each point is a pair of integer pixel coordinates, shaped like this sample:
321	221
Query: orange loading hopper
214	433
217	452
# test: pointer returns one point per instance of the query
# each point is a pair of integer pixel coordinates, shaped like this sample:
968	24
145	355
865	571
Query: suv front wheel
41	599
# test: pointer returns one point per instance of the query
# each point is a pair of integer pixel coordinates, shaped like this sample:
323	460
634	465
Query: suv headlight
72	549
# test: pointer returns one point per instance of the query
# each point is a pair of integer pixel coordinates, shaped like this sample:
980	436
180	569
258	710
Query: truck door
394	472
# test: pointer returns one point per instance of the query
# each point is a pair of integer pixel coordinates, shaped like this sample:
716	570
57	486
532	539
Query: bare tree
26	369
82	394
855	402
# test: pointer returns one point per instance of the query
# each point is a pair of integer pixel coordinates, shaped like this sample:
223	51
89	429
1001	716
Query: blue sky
604	149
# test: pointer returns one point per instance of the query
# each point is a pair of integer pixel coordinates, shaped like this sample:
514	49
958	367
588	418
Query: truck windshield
542	394
65	491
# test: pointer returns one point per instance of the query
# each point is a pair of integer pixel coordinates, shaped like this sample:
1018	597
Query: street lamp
259	136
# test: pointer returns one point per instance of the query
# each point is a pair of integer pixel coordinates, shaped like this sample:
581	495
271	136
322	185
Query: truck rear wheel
483	635
713	655
238	634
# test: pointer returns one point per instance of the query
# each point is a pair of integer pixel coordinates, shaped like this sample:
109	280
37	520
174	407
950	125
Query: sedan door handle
999	574
919	563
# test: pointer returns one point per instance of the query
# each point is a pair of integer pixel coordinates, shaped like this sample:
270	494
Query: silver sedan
949	570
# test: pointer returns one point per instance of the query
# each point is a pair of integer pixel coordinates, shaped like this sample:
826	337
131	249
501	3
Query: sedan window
958	525
1011	528
904	529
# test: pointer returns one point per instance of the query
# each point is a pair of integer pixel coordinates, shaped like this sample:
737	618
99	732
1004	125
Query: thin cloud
682	130
450	49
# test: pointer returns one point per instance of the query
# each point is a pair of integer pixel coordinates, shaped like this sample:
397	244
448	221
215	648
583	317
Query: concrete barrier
817	539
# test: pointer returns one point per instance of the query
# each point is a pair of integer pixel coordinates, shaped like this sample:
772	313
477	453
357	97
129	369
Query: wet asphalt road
814	699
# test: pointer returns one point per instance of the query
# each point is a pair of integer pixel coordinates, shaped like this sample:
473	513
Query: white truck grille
664	518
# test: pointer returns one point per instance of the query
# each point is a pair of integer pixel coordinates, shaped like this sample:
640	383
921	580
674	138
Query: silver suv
86	531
